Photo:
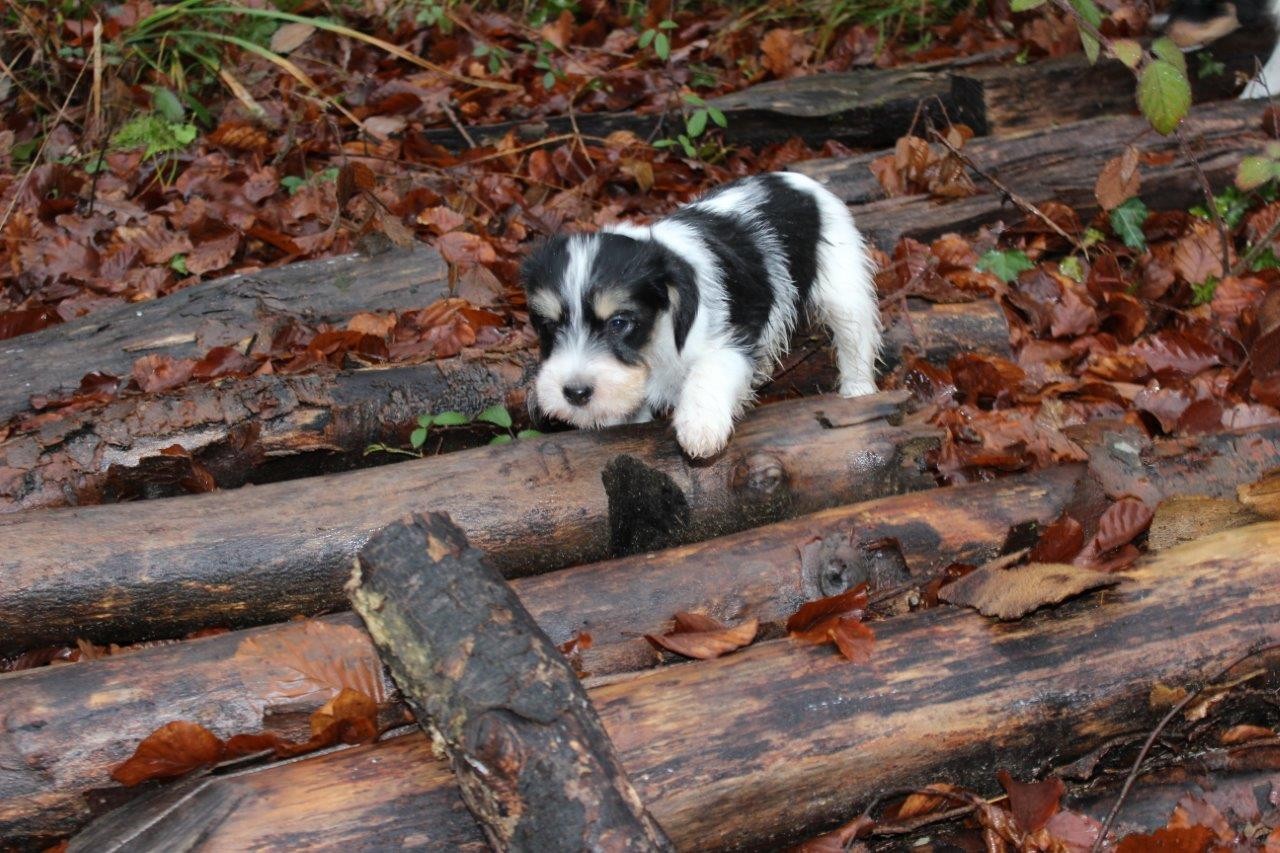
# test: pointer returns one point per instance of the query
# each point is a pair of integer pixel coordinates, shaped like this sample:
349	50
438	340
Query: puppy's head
600	304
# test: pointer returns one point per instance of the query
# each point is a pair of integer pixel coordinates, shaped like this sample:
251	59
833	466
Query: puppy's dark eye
619	324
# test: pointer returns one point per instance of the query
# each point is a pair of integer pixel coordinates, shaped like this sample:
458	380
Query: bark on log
269	428
1060	164
223	312
249	556
531	758
245	681
778	742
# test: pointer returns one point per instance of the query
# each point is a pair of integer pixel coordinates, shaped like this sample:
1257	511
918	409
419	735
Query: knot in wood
758	474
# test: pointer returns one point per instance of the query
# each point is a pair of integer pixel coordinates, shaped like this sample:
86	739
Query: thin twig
1223	234
22	185
1160	727
457	125
1026	206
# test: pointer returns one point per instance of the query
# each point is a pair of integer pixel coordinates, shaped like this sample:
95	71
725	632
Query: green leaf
693	100
1072	268
292	183
667	25
1164	95
1092	237
1254	171
1090	12
497	415
425	420
1267	260
1025	5
663	143
500	439
697	124
1202	294
528	433
178	263
549	80
1127	51
717	117
687	145
1126	221
418	437
451	419
167	104
1165	49
1208	66
1005	265
646	38
662	46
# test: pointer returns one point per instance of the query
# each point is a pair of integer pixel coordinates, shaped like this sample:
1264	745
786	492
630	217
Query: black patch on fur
647	510
741	266
637	271
544	269
794	215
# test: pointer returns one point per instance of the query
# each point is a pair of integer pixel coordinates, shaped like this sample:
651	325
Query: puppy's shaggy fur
687	314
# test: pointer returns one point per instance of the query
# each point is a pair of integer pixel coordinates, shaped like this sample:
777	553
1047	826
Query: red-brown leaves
156	373
916	166
1058	542
703	638
171	750
313	656
1011	593
1121	523
1119	179
180	747
836	619
1032	803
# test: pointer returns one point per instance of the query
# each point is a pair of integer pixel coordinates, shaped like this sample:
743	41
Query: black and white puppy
1195	23
689	313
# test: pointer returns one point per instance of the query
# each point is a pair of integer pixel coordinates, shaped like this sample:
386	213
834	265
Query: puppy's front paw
702	433
857	389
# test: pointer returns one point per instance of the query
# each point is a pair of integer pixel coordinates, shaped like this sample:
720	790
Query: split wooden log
866	108
778	742
268	428
97	711
249	556
534	765
237	310
1059	164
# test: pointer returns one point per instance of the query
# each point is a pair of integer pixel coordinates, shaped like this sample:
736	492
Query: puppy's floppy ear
682	293
545	260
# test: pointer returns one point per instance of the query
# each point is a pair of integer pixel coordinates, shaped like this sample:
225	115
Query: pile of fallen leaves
279	177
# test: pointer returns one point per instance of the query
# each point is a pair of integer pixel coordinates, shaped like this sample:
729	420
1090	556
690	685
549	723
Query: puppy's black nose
577	394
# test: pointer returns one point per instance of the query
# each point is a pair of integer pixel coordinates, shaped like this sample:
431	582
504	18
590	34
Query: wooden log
865	108
534	765
241	681
1017	99
778	742
269	428
1060	164
249	556
224	312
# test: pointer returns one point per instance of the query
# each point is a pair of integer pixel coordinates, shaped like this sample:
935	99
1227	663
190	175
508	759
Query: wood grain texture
222	312
777	742
532	760
269	428
262	554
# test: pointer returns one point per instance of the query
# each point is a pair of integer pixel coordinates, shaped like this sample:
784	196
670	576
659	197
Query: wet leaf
703	638
171	750
1012	593
1032	803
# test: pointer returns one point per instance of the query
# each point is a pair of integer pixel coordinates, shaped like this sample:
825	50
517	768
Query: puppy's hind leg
715	391
844	298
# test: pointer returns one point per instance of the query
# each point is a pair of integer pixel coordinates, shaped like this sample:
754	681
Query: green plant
496	416
657	37
1202	293
695	125
1232	205
1207	66
1005	265
155	134
1126	222
293	183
